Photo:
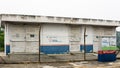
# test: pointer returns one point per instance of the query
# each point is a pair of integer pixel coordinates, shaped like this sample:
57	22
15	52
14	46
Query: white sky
98	9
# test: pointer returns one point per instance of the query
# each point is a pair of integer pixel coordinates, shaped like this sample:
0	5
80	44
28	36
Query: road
82	64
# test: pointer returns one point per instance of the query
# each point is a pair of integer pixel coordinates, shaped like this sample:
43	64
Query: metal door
17	38
75	39
24	38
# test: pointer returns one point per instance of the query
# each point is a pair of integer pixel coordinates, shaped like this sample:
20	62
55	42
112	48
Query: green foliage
1	40
118	39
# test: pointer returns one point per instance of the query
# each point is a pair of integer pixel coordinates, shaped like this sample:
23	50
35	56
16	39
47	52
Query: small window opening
32	35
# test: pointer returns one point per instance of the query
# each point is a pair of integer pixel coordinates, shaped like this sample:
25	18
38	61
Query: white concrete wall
101	31
89	35
62	20
51	34
24	37
54	34
6	37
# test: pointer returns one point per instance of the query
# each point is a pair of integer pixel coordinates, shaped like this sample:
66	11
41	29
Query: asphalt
82	64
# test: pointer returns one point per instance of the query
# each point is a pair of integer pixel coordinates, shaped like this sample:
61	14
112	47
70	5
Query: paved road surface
84	64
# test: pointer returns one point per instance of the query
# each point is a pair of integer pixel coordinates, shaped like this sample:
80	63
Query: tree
1	40
118	38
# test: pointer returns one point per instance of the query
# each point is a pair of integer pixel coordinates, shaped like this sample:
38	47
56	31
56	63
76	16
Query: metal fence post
39	41
84	42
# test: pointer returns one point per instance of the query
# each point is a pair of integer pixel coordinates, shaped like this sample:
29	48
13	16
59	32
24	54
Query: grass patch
109	48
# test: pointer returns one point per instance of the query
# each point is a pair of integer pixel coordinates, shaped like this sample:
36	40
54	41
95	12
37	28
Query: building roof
53	19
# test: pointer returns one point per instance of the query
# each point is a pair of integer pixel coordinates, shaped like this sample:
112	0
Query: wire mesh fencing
73	49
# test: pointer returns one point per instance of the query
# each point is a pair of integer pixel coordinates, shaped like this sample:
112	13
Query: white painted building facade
58	35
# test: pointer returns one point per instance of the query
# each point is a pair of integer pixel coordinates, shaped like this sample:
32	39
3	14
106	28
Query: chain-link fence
73	51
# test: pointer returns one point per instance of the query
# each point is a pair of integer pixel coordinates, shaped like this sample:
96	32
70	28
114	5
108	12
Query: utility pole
85	42
39	42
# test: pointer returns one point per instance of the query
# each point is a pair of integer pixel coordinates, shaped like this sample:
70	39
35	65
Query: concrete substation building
58	35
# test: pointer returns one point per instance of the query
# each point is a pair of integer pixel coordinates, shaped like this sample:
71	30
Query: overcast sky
98	9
